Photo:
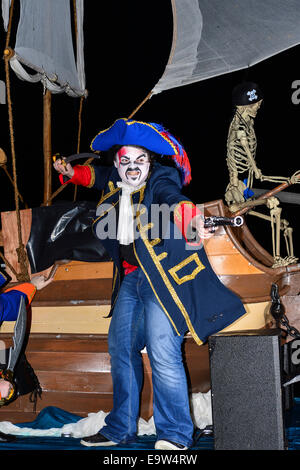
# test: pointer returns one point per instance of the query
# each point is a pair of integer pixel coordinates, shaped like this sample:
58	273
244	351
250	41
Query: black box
246	385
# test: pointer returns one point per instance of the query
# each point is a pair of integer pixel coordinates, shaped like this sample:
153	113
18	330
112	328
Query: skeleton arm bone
258	174
274	179
294	179
244	142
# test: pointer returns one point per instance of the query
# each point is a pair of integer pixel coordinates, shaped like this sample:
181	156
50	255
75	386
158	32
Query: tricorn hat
149	135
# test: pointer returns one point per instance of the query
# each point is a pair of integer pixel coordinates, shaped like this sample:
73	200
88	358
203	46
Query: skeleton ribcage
237	158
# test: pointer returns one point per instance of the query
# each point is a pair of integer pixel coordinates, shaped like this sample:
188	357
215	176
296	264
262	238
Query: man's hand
5	388
198	224
65	170
40	281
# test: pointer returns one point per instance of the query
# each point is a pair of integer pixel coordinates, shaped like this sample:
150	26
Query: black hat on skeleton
246	93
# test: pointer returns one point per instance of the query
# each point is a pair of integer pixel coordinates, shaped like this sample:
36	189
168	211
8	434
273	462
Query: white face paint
133	164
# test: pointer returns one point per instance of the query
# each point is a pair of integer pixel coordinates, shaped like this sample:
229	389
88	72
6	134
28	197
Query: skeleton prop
241	153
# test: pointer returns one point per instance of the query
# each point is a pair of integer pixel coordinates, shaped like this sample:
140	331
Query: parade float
67	335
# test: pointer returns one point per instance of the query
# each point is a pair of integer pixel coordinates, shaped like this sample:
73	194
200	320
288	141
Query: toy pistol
215	221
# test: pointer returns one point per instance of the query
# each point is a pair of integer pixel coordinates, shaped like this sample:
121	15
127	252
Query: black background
127	45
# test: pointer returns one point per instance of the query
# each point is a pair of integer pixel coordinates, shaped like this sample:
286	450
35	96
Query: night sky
126	49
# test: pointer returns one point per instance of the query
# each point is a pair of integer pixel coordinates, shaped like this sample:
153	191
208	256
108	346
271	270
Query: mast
47	147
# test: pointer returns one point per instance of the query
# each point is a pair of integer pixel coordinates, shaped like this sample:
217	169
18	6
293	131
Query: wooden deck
74	373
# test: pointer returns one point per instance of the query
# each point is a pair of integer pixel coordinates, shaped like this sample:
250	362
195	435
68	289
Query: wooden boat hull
67	345
74	372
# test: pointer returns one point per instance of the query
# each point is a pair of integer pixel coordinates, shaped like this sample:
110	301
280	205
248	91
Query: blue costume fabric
9	305
9	301
184	283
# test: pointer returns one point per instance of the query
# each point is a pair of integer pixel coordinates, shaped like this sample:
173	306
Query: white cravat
125	226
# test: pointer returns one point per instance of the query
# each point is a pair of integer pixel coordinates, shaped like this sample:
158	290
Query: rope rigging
23	275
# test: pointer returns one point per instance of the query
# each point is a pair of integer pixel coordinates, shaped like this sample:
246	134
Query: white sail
215	37
5	12
44	44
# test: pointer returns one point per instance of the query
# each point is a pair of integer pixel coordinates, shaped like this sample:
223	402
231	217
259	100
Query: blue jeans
139	321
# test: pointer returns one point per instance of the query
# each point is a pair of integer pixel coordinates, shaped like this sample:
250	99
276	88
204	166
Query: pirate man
163	284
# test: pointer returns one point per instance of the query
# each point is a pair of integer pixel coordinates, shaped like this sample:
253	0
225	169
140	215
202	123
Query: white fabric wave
200	406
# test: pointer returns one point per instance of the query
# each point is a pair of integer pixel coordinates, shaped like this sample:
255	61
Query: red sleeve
27	288
82	176
184	212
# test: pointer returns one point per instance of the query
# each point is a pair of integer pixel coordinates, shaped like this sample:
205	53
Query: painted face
133	164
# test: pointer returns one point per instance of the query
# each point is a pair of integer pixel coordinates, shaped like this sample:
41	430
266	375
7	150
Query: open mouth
133	174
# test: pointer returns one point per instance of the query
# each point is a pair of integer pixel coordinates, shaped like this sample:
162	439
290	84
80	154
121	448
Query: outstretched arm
10	299
83	175
79	174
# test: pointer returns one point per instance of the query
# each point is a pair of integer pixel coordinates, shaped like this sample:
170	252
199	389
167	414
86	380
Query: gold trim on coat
182	264
156	261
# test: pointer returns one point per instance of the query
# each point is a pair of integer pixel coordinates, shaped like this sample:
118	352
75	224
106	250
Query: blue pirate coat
11	298
184	283
9	305
9	301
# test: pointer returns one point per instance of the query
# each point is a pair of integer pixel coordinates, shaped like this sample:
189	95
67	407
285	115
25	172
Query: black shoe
165	444
7	437
97	440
